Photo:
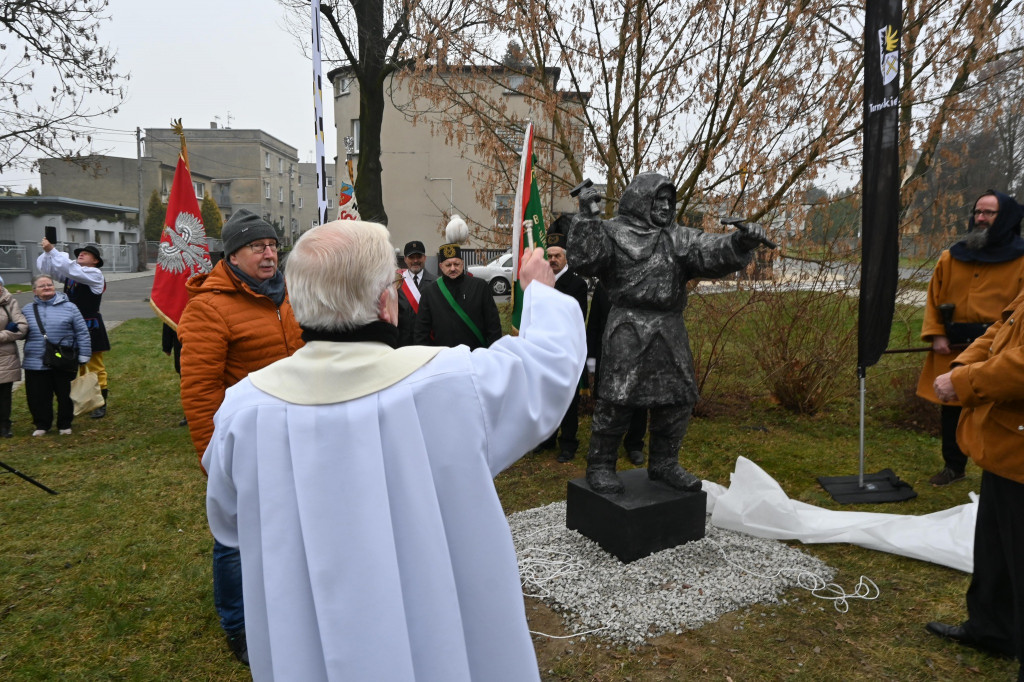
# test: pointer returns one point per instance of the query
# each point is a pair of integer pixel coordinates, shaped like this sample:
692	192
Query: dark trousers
5	403
565	435
41	385
634	440
995	599
952	455
611	421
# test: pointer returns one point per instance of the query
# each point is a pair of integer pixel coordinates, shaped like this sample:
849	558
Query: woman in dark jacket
12	328
65	326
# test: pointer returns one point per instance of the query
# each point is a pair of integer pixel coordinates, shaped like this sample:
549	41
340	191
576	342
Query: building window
329	179
300	202
330	202
355	136
266	160
266	190
312	224
280	166
503	205
300	179
344	85
200	189
280	194
515	81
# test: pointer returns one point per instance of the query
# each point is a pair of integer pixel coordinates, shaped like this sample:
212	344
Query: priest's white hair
336	273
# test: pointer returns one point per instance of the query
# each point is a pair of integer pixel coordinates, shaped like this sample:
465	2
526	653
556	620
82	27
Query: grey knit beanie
242	228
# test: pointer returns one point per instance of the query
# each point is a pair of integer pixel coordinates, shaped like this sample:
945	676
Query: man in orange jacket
988	380
973	280
238	320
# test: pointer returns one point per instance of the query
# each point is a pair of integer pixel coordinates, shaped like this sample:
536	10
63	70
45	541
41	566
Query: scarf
272	288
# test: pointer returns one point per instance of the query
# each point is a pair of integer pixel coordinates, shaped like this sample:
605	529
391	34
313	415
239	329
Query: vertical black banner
879	273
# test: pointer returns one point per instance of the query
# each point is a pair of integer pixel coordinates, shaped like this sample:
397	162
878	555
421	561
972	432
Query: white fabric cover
755	504
373	543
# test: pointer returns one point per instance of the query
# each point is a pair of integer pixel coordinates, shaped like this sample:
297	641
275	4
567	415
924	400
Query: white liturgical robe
373	543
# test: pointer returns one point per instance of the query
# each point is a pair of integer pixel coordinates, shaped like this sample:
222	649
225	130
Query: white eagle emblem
185	250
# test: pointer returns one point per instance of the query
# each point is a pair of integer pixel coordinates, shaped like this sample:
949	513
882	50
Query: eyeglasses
979	212
260	247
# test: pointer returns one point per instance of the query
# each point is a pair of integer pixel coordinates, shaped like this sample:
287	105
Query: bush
805	344
713	320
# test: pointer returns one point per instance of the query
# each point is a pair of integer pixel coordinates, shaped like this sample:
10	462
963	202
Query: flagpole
879	277
179	130
318	116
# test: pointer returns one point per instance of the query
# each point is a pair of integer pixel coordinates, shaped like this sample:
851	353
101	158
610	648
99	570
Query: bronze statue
644	259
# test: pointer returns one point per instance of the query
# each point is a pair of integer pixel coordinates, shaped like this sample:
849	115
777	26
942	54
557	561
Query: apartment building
239	168
113	180
306	198
425	179
247	169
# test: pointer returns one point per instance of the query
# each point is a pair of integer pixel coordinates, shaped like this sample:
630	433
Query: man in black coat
571	284
456	309
415	279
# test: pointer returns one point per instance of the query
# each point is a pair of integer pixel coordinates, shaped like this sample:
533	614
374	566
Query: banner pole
863	391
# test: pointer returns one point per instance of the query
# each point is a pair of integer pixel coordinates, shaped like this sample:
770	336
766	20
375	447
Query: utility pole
142	250
138	156
290	240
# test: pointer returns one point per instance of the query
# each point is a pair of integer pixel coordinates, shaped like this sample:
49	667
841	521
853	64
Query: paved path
126	298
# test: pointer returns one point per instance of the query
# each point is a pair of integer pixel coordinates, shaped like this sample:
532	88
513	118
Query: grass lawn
110	579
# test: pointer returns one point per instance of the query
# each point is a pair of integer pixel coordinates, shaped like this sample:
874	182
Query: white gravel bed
667	592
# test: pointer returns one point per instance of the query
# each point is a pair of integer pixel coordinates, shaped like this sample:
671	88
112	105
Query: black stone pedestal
648	517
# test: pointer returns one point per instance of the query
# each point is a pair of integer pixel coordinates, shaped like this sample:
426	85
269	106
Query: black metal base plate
648	517
885	486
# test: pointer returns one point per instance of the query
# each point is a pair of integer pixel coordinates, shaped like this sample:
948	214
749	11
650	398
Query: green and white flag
527	222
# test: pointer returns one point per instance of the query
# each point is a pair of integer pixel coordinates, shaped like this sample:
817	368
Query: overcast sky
201	59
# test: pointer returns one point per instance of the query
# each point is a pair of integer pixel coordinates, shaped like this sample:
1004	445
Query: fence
17	263
481	256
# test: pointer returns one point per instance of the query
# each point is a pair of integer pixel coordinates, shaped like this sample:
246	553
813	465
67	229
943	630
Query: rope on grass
812	582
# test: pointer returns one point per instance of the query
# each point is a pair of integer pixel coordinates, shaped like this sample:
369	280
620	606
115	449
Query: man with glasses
972	283
238	320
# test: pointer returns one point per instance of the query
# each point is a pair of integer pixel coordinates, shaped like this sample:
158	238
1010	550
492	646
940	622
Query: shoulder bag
57	356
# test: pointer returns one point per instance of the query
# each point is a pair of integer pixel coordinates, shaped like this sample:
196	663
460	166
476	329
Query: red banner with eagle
183	250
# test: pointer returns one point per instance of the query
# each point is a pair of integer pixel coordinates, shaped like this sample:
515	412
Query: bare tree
958	55
743	103
374	38
739	102
53	68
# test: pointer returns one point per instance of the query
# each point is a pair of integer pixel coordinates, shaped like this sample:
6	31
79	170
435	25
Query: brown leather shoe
945	477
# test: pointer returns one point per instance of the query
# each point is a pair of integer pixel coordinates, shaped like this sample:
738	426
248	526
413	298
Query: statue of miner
644	260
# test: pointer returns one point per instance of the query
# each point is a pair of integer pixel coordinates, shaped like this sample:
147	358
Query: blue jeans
227	587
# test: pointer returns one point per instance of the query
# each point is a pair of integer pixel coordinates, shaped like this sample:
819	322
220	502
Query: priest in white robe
356	478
